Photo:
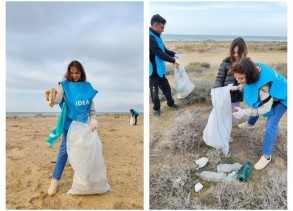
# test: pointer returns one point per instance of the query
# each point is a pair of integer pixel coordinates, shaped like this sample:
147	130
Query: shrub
197	67
200	94
272	190
215	157
232	195
186	134
267	193
171	188
283	48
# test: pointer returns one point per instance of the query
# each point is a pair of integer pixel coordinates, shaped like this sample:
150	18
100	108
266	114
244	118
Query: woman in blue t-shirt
78	94
265	92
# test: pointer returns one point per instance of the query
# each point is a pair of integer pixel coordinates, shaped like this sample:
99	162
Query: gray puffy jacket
225	77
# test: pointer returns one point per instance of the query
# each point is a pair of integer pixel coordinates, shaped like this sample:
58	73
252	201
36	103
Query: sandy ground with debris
30	163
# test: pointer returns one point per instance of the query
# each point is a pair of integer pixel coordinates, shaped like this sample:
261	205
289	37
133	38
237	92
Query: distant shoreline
216	38
33	114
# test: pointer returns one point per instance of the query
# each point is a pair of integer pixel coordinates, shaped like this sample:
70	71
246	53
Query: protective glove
240	112
177	55
94	125
232	87
176	63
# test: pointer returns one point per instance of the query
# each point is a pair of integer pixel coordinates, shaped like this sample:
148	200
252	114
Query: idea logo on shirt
81	103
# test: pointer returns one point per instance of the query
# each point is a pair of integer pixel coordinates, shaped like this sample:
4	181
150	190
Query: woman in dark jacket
238	49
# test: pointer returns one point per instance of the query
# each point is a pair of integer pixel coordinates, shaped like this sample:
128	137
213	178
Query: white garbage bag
132	121
84	149
218	129
183	84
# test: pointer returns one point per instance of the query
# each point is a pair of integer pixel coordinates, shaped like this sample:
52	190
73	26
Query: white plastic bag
218	129
84	150
183	84
132	121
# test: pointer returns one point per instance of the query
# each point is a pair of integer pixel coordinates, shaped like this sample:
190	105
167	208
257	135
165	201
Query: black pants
135	117
157	82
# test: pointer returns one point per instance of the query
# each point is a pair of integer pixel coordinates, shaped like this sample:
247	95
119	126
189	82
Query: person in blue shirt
78	94
157	67
265	92
134	114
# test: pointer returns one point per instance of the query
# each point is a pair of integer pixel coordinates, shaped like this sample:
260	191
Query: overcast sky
42	38
223	18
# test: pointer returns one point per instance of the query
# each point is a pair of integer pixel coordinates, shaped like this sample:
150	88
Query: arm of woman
266	107
93	118
93	111
59	95
221	76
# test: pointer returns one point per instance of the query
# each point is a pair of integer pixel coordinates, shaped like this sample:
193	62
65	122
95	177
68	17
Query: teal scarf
57	132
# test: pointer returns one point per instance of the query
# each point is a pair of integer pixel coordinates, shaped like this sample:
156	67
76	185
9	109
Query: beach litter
198	186
132	121
226	168
212	176
201	162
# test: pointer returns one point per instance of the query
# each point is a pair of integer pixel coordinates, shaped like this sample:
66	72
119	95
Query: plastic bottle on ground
228	167
232	176
245	172
212	176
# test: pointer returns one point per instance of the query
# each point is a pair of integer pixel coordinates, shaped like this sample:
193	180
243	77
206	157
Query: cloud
44	37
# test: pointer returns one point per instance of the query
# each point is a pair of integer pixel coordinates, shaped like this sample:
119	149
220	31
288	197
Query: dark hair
157	19
242	48
247	67
79	66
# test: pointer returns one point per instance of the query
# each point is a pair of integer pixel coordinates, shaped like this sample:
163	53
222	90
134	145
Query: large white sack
85	154
132	121
183	84
218	129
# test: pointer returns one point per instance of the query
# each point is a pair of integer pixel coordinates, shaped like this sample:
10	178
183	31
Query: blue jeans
61	159
252	120
271	127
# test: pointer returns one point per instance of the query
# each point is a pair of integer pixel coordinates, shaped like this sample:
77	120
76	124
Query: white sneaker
245	125
230	140
53	187
262	163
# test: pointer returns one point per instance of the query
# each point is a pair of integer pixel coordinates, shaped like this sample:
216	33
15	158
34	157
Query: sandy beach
30	163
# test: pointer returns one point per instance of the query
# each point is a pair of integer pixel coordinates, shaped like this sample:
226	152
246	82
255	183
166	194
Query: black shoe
175	106
157	113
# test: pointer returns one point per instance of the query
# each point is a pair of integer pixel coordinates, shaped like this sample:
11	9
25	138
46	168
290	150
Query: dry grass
197	67
232	195
186	135
200	94
268	193
215	157
272	191
252	142
172	188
